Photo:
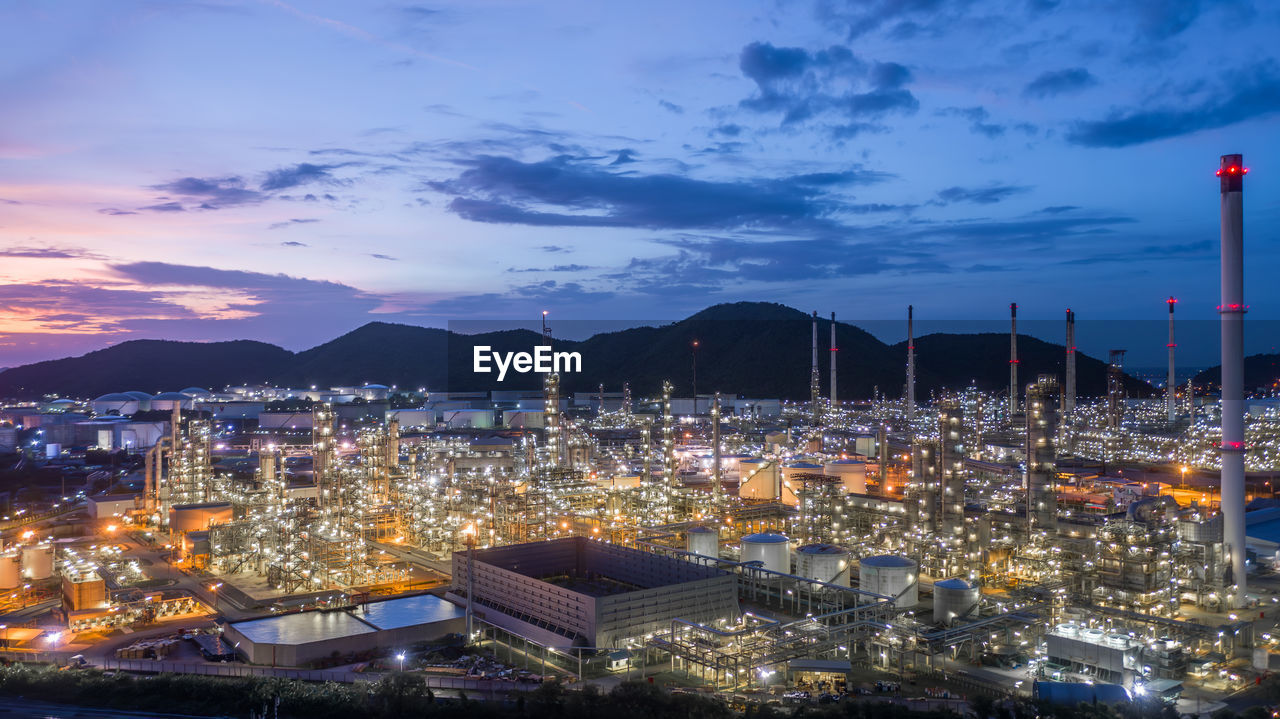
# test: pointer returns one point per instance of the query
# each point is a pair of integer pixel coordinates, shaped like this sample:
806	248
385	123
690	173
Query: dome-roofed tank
770	548
703	540
115	403
37	561
10	570
954	599
823	563
165	401
852	474
892	576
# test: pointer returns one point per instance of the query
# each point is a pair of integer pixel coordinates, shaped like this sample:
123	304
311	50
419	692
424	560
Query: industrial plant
992	542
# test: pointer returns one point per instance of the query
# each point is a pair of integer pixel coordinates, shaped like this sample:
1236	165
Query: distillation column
815	382
1231	172
834	349
1042	498
1069	394
911	369
951	464
717	479
1171	384
1013	360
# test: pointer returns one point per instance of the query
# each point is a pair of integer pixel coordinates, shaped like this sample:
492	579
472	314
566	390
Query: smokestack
834	349
1069	396
1013	359
1171	387
717	480
1231	311
911	366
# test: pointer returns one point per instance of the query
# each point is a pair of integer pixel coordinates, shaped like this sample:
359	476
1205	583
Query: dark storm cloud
1057	82
303	173
1241	95
980	195
565	192
209	192
977	117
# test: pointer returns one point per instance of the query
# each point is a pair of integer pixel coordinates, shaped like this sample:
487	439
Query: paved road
24	709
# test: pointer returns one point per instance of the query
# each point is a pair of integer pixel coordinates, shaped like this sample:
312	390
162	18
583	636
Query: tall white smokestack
1231	313
911	366
1013	359
1171	384
1069	391
834	349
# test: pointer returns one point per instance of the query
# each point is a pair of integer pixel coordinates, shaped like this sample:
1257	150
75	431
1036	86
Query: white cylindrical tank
770	548
10	570
954	599
852	474
37	561
892	576
823	563
793	471
703	540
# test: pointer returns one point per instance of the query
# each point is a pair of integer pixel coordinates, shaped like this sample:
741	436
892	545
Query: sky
288	171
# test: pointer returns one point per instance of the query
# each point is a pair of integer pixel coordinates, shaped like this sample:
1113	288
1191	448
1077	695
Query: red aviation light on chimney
1233	169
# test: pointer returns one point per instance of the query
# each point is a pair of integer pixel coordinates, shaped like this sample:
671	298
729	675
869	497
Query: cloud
554	248
565	192
977	117
210	192
980	195
292	222
1058	82
802	84
5	201
294	243
303	173
553	268
165	207
728	130
624	156
859	17
1058	209
115	211
48	253
1242	95
379	256
671	107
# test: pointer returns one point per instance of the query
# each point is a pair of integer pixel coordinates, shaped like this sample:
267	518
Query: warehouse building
585	593
298	639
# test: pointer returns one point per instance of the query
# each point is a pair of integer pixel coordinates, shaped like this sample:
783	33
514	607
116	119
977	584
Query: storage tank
195	517
892	576
703	540
824	563
852	474
758	478
37	561
770	548
793	471
10	570
954	599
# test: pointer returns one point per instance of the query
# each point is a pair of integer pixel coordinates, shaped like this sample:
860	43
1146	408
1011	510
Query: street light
214	588
400	656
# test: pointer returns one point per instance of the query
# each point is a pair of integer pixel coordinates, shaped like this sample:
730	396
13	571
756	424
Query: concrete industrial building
579	592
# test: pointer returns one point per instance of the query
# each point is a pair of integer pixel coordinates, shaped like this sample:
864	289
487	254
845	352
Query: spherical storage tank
954	599
852	474
891	576
10	570
703	540
37	561
771	549
823	563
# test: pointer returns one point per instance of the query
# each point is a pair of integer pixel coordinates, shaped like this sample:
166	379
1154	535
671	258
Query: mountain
148	365
1260	371
748	348
955	361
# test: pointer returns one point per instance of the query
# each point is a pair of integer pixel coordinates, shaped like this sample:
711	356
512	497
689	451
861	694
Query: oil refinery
994	540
